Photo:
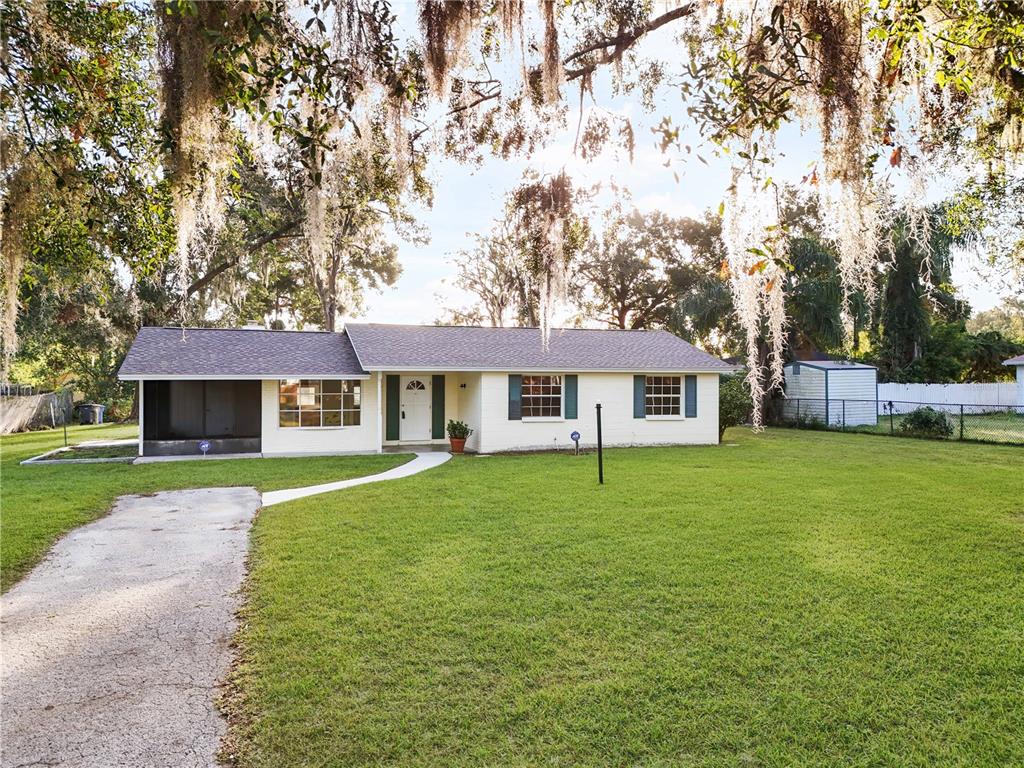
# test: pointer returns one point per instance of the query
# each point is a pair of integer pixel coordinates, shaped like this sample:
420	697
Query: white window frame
681	398
358	391
561	397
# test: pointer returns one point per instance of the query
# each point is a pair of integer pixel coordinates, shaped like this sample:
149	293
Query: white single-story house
372	386
834	392
1018	361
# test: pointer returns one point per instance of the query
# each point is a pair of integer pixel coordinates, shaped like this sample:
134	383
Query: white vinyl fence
948	397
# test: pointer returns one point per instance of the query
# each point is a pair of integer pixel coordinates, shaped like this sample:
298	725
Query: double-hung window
542	397
319	402
663	396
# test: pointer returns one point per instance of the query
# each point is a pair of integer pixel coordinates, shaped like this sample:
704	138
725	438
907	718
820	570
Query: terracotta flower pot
458	444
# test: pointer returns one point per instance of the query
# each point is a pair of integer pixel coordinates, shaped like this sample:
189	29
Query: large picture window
662	396
318	403
542	397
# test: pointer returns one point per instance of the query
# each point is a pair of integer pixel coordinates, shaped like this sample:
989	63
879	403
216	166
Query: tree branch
621	43
284	230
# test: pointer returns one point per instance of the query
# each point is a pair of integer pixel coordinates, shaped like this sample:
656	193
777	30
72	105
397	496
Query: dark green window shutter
691	397
639	402
515	396
571	387
393	411
437	407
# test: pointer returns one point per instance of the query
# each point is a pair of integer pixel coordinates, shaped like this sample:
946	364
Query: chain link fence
902	418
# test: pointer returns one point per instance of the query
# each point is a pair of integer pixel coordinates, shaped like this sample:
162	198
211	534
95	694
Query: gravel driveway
113	647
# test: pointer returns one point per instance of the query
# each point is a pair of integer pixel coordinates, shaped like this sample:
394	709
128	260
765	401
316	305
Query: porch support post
142	410
380	411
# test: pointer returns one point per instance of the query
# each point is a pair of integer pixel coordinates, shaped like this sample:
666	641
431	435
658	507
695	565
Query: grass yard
96	452
39	503
800	599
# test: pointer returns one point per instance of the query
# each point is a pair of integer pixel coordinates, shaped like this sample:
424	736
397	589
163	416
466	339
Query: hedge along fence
949	397
47	409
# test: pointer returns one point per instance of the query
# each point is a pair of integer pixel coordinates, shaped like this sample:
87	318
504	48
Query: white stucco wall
615	393
469	406
312	440
483	404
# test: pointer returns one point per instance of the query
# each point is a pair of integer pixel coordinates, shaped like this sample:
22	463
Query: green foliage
507	268
734	403
703	313
631	276
78	87
948	353
814	299
1007	319
458	430
86	214
985	214
276	70
926	422
987	352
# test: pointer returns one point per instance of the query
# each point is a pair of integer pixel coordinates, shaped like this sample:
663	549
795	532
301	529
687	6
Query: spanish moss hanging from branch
447	26
200	151
756	263
541	211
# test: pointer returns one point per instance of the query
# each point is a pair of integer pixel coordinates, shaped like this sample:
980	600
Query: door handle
403	414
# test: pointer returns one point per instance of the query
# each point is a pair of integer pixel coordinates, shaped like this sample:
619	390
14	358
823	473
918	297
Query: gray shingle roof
835	365
426	347
243	353
1018	360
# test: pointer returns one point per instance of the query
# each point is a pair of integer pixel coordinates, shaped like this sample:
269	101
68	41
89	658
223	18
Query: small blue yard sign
575	436
204	446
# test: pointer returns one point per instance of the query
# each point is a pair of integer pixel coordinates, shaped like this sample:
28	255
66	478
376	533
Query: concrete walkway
422	462
113	647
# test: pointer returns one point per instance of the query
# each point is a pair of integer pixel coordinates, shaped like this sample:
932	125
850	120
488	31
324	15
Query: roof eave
544	369
238	377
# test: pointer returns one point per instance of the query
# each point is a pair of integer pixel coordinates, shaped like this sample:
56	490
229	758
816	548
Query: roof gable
430	347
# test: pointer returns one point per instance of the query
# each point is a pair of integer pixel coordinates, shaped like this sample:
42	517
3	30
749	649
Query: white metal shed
834	392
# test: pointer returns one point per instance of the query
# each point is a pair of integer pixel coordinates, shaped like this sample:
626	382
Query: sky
468	199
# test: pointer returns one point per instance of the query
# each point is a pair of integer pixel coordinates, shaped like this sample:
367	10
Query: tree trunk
620	316
330	315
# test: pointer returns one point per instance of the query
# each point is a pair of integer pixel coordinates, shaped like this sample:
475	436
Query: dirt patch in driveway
114	646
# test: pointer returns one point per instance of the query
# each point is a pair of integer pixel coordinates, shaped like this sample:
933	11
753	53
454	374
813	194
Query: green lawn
799	599
96	452
39	503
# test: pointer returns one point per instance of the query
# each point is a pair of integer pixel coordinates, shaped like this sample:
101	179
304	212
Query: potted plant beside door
458	431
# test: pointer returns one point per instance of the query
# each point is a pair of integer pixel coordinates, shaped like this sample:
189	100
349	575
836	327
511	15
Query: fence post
844	415
892	429
798	413
961	421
